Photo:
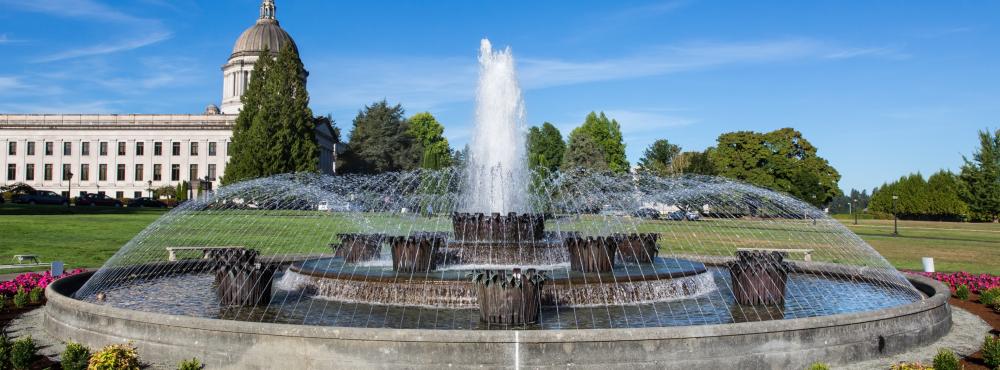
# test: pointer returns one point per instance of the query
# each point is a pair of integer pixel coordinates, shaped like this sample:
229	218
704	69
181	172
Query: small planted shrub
3	303
21	298
991	352
818	366
115	357
36	295
990	297
22	353
192	364
962	292
75	357
5	348
946	360
911	366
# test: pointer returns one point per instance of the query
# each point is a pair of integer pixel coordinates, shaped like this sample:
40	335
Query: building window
104	148
119	195
157	172
102	172
11	172
48	148
85	148
211	149
193	173
47	175
31	148
137	194
138	172
121	148
67	148
194	149
29	172
175	172
140	148
83	193
67	172
12	148
157	148
84	172
121	172
176	149
211	172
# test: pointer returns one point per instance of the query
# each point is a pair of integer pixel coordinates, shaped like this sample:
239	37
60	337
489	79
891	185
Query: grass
86	237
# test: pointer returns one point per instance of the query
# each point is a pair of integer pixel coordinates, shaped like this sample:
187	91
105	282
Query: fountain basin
227	344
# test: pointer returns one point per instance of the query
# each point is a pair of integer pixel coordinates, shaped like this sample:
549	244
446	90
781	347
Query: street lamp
69	190
854	209
150	188
895	216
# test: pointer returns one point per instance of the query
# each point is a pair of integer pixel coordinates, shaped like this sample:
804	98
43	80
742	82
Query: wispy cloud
70	9
883	52
9	83
107	48
605	23
4	39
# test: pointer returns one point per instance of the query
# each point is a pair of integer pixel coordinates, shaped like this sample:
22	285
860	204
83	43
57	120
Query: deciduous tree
659	158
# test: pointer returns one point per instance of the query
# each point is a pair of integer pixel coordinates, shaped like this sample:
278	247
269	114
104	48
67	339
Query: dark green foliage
182	191
936	199
991	352
658	159
697	163
857	201
606	136
990	297
21	298
946	360
192	364
780	160
36	295
583	152
545	147
3	303
380	143
428	134
75	357
5	351
275	131
981	178
962	292
22	353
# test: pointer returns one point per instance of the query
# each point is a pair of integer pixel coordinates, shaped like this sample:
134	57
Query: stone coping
58	294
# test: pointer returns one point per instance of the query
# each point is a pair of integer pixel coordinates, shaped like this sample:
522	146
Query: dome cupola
265	34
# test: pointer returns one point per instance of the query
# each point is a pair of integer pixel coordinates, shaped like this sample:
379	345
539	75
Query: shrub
990	297
192	364
991	352
818	366
5	348
115	357
3	303
36	294
21	298
75	357
946	360
22	354
962	292
910	366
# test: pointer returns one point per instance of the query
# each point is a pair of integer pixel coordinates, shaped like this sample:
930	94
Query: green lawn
88	236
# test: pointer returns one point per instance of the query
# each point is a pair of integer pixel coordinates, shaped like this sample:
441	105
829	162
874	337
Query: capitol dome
265	34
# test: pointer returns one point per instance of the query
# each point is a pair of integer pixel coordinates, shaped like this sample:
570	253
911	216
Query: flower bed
976	283
31	280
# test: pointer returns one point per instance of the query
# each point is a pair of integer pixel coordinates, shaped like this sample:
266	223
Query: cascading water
497	172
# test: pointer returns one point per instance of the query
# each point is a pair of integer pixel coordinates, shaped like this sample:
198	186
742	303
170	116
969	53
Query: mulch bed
11	313
975	361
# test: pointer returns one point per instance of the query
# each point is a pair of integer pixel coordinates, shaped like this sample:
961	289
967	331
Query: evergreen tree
607	135
981	178
936	199
545	147
699	163
584	152
182	191
658	159
429	134
275	131
380	143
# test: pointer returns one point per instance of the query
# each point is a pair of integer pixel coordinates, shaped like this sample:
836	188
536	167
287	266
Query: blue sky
882	88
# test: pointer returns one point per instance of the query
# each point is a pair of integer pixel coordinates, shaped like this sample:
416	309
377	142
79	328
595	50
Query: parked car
146	202
683	216
98	200
649	213
41	197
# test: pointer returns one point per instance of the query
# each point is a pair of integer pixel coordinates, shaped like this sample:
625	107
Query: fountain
515	269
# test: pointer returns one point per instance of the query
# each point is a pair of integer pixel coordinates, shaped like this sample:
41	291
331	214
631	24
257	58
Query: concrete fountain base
780	344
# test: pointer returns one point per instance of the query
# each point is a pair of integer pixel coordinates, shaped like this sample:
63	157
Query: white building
124	156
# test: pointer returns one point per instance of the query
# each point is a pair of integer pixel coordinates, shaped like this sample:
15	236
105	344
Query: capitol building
126	155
